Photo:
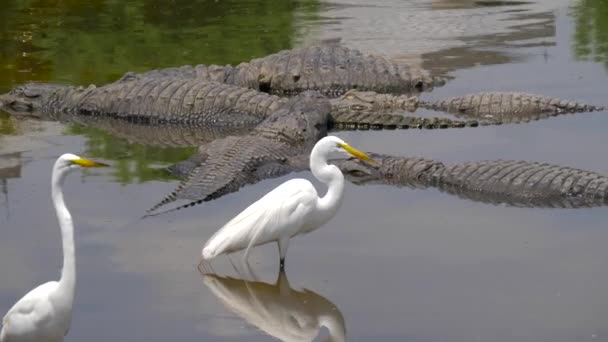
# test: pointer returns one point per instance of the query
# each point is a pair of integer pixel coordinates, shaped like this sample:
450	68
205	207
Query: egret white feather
45	313
293	208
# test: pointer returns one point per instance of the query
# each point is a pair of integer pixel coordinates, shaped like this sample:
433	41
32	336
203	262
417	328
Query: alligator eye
356	173
29	93
357	107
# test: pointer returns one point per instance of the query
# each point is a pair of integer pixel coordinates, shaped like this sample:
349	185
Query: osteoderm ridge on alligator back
331	70
515	183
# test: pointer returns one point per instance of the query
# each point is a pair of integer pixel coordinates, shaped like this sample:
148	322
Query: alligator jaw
14	106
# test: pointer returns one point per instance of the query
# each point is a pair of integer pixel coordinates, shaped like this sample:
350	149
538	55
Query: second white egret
45	313
293	208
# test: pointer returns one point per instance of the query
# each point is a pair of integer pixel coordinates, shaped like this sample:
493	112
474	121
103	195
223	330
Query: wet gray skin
400	264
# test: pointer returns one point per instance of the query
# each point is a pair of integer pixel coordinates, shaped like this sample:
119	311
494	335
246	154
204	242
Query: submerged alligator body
330	70
514	183
507	107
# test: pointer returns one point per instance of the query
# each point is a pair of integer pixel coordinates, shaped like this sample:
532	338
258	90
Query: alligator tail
151	212
172	197
169	199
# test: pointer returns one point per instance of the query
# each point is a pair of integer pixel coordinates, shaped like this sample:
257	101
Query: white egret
45	313
291	209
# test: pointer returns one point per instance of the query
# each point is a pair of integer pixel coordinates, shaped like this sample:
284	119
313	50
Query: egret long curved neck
68	272
330	175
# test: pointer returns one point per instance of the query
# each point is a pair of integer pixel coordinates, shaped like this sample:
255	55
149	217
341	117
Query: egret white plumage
291	209
45	313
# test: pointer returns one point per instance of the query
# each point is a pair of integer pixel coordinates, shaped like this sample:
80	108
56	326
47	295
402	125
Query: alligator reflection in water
278	309
590	38
10	167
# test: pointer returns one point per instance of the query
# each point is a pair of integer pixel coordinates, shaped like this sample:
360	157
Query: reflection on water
132	163
7	125
451	270
591	32
97	41
10	167
277	309
468	4
529	30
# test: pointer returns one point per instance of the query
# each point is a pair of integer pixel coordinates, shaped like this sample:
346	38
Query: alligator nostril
265	87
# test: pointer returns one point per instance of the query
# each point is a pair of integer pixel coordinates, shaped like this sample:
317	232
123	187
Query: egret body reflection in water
278	309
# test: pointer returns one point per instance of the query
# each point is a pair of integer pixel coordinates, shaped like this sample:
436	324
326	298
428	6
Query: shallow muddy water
395	264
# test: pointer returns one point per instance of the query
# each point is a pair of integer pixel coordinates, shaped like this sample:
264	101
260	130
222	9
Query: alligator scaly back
227	164
507	107
331	70
516	183
522	183
156	101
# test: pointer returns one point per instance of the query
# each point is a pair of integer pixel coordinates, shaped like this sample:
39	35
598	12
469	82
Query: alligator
514	183
175	101
331	70
507	107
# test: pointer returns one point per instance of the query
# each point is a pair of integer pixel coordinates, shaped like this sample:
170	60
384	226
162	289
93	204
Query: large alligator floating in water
331	70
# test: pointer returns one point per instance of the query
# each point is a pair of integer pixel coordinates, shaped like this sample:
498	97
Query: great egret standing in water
45	313
291	209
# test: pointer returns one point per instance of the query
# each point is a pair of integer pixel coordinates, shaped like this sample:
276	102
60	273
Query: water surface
396	264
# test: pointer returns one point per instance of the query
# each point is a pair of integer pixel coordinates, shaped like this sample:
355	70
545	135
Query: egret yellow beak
88	163
357	154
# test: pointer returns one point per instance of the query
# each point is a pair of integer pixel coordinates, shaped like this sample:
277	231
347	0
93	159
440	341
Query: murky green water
395	264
